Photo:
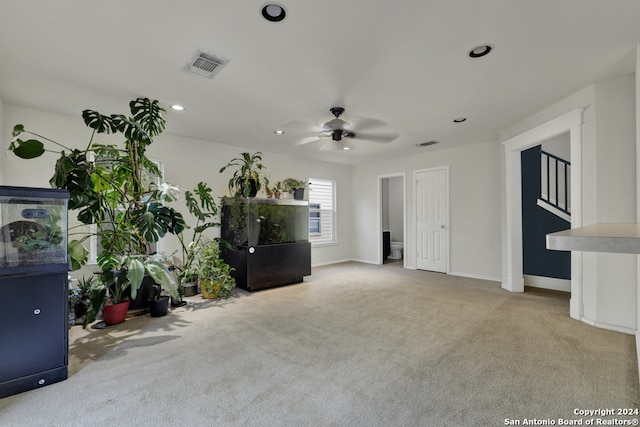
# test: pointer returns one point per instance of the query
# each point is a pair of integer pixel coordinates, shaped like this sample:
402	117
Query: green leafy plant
214	273
113	187
290	184
249	172
202	206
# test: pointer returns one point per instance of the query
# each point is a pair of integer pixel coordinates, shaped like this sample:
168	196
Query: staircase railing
555	185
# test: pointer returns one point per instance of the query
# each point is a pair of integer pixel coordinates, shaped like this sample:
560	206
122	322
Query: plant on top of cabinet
249	176
295	186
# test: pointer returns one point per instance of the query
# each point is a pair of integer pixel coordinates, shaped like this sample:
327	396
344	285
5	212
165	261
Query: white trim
475	276
608	326
557	212
321	264
415	219
570	122
402	175
552	283
365	261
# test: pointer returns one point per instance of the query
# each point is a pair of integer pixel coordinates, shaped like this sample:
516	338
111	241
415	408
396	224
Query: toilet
396	250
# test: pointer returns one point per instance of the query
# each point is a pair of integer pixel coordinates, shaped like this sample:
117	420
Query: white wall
186	162
608	192
559	146
475	240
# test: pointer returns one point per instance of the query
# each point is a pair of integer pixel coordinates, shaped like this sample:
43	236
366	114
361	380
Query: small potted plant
214	274
249	176
275	191
82	297
295	187
159	303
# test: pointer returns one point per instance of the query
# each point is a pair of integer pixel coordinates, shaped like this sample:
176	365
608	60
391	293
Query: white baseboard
547	283
340	261
615	328
365	261
475	276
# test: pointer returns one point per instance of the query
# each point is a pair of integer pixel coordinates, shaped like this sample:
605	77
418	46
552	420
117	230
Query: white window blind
322	211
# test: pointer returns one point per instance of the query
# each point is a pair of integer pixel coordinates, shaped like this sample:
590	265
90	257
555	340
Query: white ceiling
402	62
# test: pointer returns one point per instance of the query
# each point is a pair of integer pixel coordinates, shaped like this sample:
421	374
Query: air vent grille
426	144
206	64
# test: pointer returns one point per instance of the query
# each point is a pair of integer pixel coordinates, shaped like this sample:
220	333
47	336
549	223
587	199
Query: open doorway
392	216
513	276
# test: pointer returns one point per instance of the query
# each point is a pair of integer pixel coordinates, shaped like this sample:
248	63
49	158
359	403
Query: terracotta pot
114	314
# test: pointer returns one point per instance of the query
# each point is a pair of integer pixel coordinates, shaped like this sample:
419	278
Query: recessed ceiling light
346	148
273	12
460	120
480	51
278	132
177	107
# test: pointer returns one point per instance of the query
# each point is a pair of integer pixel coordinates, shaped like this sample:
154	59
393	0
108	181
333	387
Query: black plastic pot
159	307
298	194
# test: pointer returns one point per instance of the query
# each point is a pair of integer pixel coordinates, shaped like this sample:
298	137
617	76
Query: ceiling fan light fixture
480	51
273	12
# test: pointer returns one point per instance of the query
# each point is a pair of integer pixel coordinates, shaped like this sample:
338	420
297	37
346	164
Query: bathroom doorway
392	229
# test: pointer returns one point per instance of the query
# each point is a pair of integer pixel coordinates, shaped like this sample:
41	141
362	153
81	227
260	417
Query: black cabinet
271	241
34	287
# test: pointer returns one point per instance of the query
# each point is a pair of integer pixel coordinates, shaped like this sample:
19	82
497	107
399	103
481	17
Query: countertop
606	237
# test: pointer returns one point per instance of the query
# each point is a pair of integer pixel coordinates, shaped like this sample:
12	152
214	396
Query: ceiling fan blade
378	138
306	126
365	123
309	140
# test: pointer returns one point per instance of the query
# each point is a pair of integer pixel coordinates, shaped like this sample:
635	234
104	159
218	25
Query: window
322	216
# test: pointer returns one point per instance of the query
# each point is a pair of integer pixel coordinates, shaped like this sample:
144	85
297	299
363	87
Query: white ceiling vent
206	64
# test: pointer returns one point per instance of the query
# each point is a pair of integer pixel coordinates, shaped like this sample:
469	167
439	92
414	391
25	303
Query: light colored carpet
354	345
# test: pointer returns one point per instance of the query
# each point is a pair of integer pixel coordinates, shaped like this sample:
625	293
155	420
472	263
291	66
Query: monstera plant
116	188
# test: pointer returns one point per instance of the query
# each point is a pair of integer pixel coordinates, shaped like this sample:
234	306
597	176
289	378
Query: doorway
513	277
392	216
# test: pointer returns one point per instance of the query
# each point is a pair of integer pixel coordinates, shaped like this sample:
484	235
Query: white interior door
432	217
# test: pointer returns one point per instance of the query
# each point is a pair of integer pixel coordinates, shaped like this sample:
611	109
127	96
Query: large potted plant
249	175
114	188
214	274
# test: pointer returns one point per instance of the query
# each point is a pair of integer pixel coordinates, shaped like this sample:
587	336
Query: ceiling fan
340	130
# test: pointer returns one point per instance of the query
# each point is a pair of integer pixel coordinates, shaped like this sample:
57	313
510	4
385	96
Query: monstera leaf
149	114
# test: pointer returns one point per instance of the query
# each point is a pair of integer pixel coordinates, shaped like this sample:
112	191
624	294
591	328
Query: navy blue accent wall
537	223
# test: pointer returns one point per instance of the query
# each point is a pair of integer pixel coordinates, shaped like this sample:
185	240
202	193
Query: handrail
555	187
